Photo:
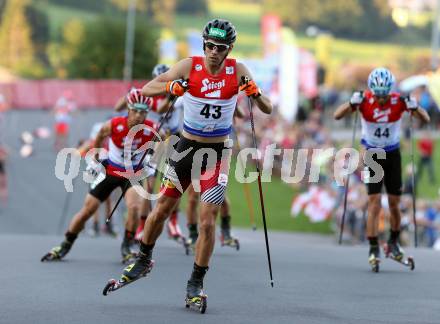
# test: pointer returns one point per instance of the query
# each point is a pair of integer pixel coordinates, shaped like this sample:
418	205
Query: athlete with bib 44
381	111
209	86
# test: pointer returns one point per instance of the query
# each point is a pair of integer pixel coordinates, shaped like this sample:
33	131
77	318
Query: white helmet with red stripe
136	100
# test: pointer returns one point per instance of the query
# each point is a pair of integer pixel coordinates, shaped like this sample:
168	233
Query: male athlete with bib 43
381	112
209	99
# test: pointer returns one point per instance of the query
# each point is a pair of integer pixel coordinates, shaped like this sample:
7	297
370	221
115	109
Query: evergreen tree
16	38
100	52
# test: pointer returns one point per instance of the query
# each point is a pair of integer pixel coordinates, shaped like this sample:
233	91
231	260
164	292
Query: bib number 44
211	111
379	133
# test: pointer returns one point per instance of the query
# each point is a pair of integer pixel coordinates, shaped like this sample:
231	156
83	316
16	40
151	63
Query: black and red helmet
220	30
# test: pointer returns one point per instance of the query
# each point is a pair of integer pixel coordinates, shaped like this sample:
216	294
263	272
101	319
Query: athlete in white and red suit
116	174
381	114
209	100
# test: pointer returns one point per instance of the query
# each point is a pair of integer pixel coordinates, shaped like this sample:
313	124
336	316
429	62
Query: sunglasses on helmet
220	47
139	108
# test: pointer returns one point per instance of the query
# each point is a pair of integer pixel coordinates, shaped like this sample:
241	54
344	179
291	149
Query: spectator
425	146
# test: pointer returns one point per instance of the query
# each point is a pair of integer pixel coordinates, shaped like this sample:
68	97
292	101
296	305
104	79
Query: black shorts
103	189
2	167
392	168
181	172
183	167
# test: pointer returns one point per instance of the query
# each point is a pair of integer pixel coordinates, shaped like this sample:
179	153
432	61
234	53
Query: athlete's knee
133	207
394	204
90	206
374	200
207	228
207	222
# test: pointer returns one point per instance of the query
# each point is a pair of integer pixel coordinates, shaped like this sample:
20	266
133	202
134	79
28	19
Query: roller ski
190	246
131	273
58	252
128	252
109	230
227	240
231	242
195	297
374	258
395	252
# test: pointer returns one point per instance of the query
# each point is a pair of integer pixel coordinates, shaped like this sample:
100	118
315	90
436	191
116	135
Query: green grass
278	197
343	50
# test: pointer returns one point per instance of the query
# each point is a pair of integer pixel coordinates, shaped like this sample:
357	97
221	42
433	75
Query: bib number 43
378	133
211	111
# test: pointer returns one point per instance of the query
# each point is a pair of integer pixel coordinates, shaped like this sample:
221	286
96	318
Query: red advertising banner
42	94
271	32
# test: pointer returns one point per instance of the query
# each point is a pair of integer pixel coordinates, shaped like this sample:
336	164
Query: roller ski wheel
57	253
113	284
408	262
186	246
190	246
375	265
199	303
374	261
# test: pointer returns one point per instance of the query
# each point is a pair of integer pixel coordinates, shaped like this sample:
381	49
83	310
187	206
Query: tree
161	11
2	9
100	52
361	19
39	25
199	7
16	45
60	54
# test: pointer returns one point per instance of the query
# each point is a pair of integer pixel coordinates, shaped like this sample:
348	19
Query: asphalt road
316	281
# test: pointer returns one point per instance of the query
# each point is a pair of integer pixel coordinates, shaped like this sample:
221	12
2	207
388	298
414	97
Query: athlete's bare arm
121	104
157	86
262	101
342	111
105	131
164	105
238	113
421	114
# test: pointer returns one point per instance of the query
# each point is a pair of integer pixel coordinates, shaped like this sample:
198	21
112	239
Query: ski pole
353	138
138	167
413	171
260	189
